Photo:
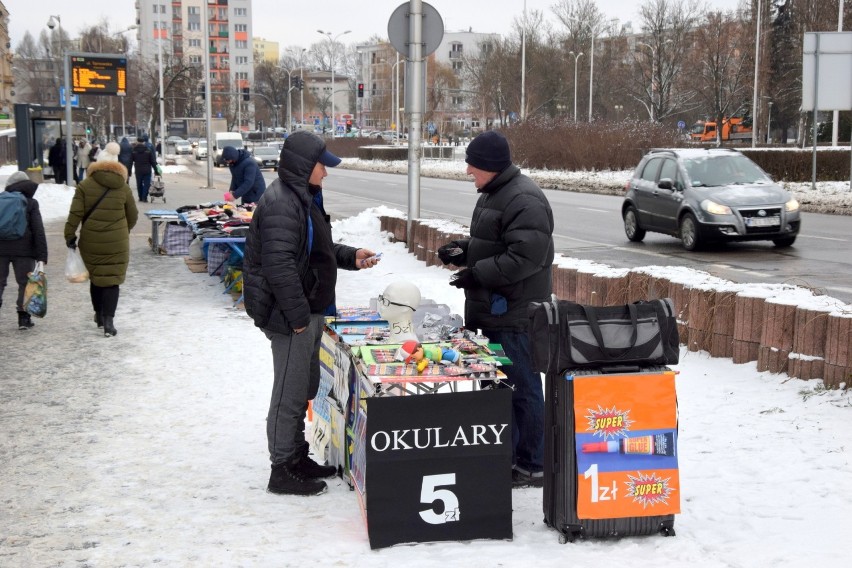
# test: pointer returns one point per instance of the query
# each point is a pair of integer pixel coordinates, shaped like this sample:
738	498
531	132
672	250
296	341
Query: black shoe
109	328
285	480
312	470
25	321
98	319
523	478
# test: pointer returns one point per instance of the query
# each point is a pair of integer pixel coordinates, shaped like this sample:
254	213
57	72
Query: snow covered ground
149	448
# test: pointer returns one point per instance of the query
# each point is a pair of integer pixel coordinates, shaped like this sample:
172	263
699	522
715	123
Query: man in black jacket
23	253
289	274
508	260
144	162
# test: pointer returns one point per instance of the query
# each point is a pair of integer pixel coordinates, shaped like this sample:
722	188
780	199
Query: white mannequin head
397	305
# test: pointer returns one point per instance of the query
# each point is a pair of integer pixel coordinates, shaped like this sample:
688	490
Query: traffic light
246	94
298	83
360	90
203	91
348	125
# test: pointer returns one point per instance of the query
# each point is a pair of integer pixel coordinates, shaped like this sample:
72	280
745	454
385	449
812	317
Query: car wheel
632	229
689	232
785	242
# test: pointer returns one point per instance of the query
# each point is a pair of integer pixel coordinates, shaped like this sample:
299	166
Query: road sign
681	124
75	99
398	29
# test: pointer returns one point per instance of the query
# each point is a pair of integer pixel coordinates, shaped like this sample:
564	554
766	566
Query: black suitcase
560	468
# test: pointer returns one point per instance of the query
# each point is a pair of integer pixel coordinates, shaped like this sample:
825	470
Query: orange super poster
626	444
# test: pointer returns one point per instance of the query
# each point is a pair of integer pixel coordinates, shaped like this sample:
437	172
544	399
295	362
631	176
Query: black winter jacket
246	179
34	243
282	286
510	251
144	159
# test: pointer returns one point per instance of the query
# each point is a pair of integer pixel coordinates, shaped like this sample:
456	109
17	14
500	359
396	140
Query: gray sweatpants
295	363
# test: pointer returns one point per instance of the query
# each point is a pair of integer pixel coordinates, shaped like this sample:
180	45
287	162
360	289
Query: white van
222	139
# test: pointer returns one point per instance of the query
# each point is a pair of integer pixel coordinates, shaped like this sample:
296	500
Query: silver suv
706	195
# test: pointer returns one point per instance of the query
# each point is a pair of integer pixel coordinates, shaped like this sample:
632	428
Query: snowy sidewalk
149	448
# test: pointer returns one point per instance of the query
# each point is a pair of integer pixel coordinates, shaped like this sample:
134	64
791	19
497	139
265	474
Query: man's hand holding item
451	253
365	258
464	279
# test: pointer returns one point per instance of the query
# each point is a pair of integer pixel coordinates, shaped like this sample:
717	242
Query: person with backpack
83	158
22	238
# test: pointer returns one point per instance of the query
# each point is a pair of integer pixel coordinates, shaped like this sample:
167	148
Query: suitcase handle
592	316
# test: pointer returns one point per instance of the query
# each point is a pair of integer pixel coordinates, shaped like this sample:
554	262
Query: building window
195	59
241	60
193	10
457	66
159	8
241	44
240	27
194	42
194	26
241	11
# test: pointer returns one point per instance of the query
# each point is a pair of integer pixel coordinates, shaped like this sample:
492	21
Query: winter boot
286	480
109	328
312	470
99	319
24	320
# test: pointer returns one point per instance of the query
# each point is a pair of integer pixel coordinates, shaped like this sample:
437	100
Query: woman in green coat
105	235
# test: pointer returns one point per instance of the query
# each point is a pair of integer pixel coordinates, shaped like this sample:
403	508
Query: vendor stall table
159	217
433	462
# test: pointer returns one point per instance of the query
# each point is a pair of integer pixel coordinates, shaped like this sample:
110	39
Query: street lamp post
754	108
654	82
161	93
332	42
618	109
576	57
66	79
395	97
769	124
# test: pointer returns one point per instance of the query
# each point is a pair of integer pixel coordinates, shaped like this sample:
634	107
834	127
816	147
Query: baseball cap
328	159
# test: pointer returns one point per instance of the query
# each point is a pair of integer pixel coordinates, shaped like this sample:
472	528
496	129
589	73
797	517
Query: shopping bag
35	293
75	268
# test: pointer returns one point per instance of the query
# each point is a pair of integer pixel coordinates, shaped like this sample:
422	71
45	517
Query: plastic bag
75	269
35	294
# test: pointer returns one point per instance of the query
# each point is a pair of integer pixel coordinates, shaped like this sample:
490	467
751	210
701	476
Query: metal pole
301	90
591	73
69	137
816	108
289	105
414	73
524	64
208	106
835	124
161	92
123	121
754	109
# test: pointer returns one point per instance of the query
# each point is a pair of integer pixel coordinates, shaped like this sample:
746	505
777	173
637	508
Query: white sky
149	448
294	23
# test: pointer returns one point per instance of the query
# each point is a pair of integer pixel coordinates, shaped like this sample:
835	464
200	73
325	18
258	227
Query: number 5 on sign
429	494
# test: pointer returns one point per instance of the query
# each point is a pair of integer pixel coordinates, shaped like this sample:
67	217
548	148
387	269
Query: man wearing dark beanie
507	262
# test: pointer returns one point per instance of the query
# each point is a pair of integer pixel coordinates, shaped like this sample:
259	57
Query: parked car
707	195
266	156
200	151
173	139
183	147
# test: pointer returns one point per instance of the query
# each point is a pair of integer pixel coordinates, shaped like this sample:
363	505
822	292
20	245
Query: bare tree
719	64
37	75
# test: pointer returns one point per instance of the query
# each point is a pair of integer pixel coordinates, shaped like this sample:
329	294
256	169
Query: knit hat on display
489	152
16	177
110	153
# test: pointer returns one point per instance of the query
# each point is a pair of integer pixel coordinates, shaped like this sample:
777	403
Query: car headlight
714	208
791	206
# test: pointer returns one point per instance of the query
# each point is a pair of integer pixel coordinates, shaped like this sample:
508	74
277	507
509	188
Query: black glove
464	279
72	242
451	253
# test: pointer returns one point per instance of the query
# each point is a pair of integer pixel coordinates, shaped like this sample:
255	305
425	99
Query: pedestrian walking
144	164
104	210
22	253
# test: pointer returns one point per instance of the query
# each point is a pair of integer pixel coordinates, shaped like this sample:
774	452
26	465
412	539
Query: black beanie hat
489	152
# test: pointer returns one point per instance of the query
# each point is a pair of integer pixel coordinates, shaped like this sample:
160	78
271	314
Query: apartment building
383	76
174	28
7	80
